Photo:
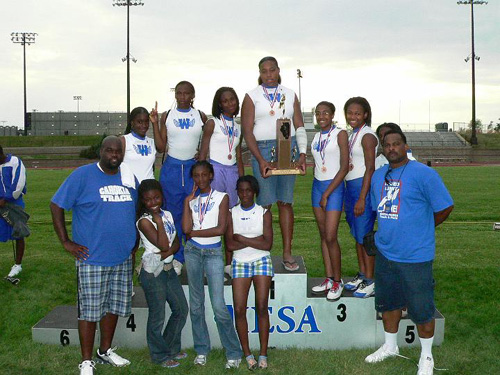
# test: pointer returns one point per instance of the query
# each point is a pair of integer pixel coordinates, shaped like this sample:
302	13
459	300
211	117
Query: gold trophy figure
283	163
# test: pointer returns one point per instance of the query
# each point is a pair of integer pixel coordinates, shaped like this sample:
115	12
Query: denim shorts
405	284
273	188
103	290
335	200
259	267
363	224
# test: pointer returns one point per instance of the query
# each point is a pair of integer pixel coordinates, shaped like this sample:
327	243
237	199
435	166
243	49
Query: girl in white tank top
139	149
250	236
331	160
221	139
362	151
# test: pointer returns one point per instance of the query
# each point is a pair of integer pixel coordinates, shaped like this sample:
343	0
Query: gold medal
323	169
351	166
229	156
271	112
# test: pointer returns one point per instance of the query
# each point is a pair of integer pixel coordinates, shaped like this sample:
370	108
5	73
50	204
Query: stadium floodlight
77	98
24	38
472	57
128	4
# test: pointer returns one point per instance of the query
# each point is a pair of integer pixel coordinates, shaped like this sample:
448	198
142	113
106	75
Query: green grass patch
489	141
50	140
466	270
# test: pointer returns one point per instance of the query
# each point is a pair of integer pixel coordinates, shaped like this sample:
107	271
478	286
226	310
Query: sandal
290	266
251	362
262	362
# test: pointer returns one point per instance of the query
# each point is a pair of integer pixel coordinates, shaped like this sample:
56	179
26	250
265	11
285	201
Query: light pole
473	58
128	4
77	98
24	38
299	76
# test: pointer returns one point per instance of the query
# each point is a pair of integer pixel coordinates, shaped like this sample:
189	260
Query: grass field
50	140
489	141
467	273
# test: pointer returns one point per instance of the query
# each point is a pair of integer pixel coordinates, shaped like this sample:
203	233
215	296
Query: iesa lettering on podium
288	320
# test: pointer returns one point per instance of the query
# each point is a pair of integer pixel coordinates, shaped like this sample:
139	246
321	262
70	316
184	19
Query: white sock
391	341
426	347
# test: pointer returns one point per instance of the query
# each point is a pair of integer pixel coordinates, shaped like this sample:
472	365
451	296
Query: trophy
283	159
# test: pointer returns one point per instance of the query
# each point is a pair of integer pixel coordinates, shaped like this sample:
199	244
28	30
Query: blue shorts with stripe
335	200
359	225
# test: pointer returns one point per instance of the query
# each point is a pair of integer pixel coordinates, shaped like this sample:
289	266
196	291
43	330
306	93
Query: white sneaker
426	366
177	266
354	283
382	353
365	291
15	270
233	363
228	270
335	291
87	367
110	357
200	360
325	286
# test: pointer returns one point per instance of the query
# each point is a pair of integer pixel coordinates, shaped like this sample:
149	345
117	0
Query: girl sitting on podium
249	236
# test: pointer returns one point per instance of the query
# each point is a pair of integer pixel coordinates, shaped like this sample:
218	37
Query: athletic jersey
265	124
103	208
405	207
222	138
249	223
151	260
183	133
140	155
206	217
13	180
327	167
356	154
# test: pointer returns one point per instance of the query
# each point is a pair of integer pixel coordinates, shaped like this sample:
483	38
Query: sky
405	57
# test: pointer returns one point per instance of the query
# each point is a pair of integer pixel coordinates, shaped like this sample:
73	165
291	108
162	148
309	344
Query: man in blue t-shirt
410	200
102	197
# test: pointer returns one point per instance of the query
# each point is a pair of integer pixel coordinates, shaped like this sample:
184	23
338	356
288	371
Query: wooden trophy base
283	172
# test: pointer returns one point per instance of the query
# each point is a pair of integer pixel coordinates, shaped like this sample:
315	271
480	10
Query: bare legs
328	223
366	263
20	246
86	332
241	287
285	211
